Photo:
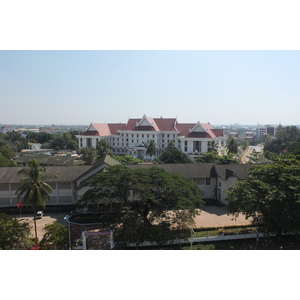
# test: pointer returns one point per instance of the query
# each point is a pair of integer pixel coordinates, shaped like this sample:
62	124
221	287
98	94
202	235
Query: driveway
48	218
216	216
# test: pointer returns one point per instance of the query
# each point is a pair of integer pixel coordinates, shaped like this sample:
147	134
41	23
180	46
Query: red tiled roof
166	124
131	124
157	124
104	129
185	128
92	133
199	135
115	127
218	132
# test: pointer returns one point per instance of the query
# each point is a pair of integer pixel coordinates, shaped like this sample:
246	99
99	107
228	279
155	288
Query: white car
39	214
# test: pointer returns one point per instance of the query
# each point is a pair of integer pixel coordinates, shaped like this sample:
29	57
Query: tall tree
151	149
89	154
232	146
103	148
14	234
55	237
173	155
143	197
34	191
271	193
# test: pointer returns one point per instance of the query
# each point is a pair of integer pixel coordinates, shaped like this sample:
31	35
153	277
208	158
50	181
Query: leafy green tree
142	197
213	157
128	159
244	145
232	146
6	157
103	148
6	153
172	155
55	237
16	141
288	138
5	162
89	155
34	191
256	157
14	235
271	193
58	142
151	149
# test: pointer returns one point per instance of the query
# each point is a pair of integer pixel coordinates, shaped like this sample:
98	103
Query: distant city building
6	128
249	135
133	137
263	131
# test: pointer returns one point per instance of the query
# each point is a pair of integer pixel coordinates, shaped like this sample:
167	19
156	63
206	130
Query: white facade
132	138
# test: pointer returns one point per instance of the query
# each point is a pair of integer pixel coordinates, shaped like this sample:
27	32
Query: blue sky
79	87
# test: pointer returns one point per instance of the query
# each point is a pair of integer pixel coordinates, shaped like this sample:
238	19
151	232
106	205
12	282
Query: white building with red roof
134	136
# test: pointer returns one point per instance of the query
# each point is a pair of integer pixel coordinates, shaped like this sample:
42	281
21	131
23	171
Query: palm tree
232	146
151	149
212	146
103	148
34	191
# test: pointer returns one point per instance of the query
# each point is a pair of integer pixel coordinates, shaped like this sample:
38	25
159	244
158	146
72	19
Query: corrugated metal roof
64	173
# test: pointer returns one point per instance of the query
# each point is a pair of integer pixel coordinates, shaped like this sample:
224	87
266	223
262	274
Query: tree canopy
89	154
14	235
213	157
103	148
271	193
55	237
151	149
143	197
232	146
172	155
287	138
6	157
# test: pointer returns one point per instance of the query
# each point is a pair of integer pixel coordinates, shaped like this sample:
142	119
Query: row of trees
14	141
57	141
171	154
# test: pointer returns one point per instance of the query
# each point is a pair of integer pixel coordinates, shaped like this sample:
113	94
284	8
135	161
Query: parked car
39	214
